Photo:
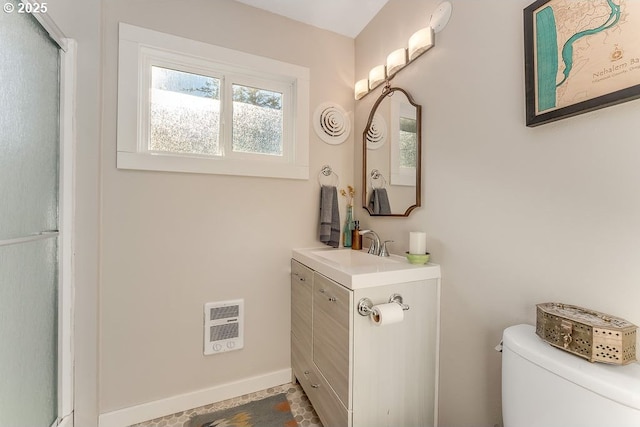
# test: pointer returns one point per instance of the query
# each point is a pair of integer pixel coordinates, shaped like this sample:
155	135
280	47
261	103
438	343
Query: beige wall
172	242
515	215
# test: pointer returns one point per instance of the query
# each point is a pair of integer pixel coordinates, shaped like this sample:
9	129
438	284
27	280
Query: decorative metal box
595	336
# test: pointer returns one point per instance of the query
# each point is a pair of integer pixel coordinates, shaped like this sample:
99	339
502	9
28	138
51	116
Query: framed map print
580	55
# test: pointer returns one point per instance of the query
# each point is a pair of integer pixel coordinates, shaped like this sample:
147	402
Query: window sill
222	166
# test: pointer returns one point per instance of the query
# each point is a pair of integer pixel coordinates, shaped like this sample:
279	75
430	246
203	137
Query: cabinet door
330	409
331	317
301	295
326	404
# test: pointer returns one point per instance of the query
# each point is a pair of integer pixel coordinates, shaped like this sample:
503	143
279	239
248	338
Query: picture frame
575	65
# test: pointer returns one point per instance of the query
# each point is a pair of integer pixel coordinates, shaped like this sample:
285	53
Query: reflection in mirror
392	155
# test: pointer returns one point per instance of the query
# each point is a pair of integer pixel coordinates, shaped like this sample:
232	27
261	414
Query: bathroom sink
351	258
359	269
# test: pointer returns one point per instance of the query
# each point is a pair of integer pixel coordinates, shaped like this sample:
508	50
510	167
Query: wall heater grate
223	326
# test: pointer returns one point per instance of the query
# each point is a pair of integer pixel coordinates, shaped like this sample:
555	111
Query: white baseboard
160	408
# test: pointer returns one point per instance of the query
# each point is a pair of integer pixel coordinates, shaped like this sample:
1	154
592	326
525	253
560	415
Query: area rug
273	411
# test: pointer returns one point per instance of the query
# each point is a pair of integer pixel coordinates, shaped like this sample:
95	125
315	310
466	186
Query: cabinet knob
315	385
332	299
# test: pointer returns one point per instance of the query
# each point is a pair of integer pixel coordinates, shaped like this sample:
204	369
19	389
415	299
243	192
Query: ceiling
346	17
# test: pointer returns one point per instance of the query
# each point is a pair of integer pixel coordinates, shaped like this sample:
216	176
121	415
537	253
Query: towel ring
375	174
327	171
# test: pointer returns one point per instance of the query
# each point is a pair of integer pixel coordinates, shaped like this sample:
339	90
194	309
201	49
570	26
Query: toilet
543	386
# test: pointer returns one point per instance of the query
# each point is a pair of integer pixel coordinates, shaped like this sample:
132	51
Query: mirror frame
388	91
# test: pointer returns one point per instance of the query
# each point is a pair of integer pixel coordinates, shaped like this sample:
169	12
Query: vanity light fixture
362	88
377	75
421	41
396	60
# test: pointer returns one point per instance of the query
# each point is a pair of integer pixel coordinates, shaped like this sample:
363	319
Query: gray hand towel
329	216
379	202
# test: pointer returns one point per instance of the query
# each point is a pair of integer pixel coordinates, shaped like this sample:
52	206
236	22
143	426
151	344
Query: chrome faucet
375	242
383	249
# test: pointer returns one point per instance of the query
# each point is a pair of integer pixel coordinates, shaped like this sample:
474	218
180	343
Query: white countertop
358	269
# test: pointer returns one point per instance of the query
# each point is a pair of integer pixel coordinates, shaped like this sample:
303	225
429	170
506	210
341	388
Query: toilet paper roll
387	314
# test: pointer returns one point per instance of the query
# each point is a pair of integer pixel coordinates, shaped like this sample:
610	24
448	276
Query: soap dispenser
356	238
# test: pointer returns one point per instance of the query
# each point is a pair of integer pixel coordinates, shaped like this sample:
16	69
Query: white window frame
140	48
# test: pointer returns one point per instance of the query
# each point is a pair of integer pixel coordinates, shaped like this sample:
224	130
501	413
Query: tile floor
300	408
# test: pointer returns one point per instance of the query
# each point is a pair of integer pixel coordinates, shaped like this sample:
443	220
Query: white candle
417	242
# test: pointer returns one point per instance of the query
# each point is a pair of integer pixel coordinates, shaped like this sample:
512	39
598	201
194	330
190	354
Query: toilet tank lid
617	383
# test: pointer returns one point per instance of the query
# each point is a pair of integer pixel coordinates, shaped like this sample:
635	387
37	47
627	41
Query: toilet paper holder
365	306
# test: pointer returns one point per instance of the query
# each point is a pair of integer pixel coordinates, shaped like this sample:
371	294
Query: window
184	113
408	144
257	121
187	106
404	143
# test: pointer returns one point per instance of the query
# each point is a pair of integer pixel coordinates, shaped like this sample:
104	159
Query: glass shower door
29	163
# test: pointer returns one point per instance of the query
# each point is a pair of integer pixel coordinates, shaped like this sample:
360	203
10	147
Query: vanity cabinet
357	373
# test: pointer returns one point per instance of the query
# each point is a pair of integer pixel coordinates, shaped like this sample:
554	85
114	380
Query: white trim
66	249
160	408
169	163
140	48
49	25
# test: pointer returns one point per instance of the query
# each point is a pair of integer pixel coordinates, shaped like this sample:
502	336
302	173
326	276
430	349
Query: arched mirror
392	148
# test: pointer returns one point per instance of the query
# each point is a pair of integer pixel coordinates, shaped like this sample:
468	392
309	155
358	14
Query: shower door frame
66	225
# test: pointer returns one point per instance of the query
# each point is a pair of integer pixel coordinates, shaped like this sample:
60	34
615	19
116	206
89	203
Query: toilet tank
543	386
